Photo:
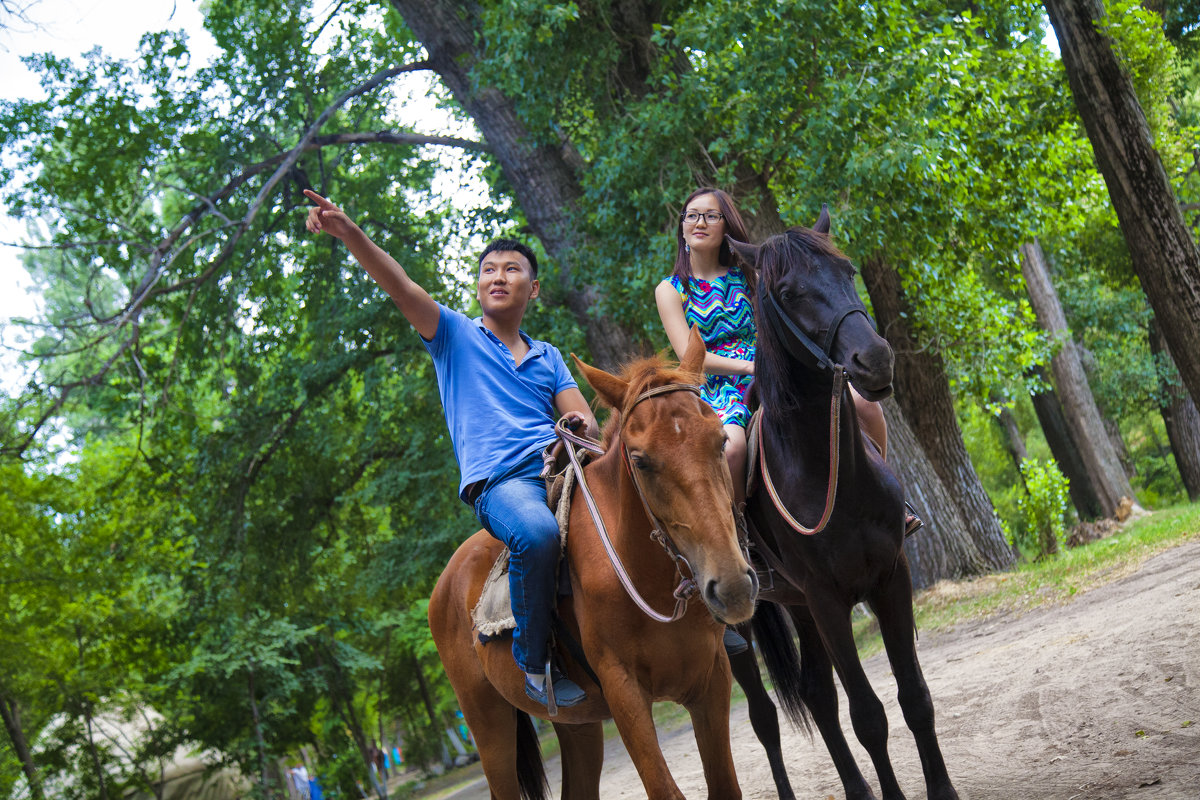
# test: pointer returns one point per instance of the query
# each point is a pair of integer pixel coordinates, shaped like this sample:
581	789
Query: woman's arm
670	311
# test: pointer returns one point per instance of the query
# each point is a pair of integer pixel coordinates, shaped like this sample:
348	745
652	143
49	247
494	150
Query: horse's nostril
710	593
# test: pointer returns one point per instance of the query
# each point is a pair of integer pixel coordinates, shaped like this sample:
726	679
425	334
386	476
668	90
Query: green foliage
1044	510
257	491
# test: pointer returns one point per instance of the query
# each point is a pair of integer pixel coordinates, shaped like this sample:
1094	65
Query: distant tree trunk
1118	444
543	177
1058	435
942	549
1014	441
1079	406
923	392
1165	256
10	710
1181	418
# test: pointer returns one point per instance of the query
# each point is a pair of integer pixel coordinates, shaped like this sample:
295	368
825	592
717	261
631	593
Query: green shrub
1043	510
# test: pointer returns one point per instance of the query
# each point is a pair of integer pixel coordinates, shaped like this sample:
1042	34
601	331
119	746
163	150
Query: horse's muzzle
731	601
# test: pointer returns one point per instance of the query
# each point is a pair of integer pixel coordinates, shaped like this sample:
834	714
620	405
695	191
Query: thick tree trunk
1058	435
1100	458
923	392
542	176
10	710
1164	253
1181	419
940	550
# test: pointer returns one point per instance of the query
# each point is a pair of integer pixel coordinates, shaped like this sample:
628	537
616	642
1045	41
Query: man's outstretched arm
413	301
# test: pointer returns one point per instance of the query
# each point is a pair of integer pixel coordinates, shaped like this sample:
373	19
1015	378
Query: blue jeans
512	507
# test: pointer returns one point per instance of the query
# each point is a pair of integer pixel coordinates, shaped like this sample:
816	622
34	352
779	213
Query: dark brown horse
827	515
662	431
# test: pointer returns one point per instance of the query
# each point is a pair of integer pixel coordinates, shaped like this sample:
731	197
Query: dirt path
1095	699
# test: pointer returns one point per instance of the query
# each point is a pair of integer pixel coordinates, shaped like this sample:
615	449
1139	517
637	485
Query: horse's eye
725	443
639	461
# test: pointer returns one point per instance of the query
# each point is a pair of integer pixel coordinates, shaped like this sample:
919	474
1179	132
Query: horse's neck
802	426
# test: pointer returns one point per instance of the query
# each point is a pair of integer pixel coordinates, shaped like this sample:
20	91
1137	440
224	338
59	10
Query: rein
687	588
835	431
817	358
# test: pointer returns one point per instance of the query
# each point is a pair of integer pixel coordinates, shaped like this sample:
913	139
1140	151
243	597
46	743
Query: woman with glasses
709	289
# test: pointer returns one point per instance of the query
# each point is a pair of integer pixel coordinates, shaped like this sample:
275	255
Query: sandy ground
1097	698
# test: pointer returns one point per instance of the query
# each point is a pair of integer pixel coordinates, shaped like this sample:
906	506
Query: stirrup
912	523
571	693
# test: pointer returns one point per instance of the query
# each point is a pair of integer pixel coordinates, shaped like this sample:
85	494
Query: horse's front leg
832	618
764	718
892	605
710	721
821	698
631	709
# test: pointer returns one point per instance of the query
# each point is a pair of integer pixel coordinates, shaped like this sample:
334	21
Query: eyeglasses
711	217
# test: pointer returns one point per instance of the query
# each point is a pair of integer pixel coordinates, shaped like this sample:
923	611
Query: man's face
506	283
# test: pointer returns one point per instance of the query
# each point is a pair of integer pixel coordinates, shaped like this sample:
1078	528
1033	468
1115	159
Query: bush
1043	510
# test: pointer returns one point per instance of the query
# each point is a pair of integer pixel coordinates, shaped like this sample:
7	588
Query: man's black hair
516	247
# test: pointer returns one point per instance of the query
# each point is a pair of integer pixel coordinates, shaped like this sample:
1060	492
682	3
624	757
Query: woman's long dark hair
734	227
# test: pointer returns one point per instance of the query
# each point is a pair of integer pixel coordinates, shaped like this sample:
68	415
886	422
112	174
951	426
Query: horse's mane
641	374
774	251
776	257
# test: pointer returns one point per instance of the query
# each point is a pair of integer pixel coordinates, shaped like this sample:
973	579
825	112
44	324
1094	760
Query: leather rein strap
835	432
687	588
817	358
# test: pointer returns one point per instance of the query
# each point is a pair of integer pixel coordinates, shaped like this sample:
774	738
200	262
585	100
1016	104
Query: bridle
687	587
816	358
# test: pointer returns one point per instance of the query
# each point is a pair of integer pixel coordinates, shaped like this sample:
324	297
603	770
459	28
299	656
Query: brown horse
664	432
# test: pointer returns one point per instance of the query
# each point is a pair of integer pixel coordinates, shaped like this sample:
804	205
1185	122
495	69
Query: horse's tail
782	658
531	773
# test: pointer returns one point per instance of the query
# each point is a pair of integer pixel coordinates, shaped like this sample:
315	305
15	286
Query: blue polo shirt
497	412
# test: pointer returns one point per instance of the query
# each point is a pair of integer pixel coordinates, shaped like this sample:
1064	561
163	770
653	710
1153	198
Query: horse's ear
743	251
693	357
610	388
822	224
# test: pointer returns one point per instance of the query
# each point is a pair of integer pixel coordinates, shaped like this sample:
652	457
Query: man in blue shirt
500	392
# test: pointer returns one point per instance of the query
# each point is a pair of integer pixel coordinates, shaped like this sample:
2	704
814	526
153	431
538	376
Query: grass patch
1053	580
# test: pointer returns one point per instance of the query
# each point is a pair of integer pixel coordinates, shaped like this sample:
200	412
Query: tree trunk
1058	435
259	741
1164	253
542	176
941	549
10	710
1100	458
1014	442
1181	418
923	392
1118	445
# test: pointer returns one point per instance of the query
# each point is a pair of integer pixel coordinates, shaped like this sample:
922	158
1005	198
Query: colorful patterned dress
723	312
